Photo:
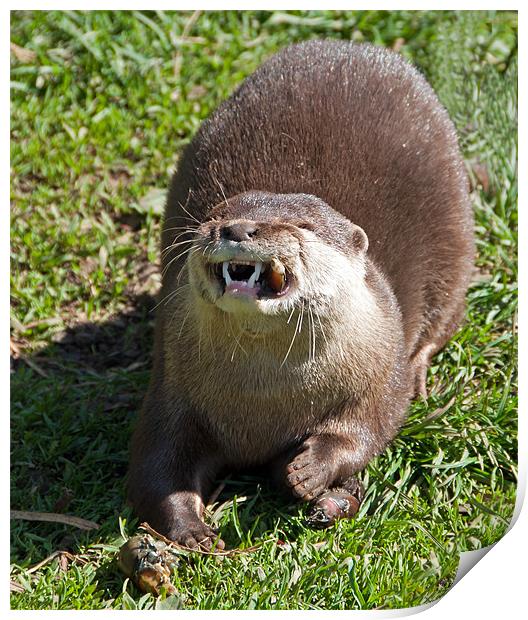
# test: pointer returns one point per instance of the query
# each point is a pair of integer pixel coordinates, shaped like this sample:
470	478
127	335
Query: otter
317	246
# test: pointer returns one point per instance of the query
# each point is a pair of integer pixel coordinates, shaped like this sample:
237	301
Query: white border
497	584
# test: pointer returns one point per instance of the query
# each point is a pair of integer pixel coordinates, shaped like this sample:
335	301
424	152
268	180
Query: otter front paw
196	535
308	474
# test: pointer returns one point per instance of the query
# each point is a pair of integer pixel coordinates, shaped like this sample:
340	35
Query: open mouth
254	279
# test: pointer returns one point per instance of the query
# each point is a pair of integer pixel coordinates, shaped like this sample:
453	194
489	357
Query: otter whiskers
312	333
173	246
189	250
170	296
297	329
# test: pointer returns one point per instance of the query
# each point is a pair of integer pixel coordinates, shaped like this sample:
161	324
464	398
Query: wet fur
324	138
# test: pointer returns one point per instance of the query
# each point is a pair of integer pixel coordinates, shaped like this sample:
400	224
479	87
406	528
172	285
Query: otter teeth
277	276
250	283
225	272
277	266
256	275
253	278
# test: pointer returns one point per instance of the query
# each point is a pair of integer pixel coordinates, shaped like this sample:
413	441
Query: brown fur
325	142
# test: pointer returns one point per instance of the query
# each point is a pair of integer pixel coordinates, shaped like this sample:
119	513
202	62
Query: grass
101	106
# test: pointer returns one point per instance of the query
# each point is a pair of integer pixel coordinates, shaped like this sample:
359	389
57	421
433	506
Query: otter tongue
242	287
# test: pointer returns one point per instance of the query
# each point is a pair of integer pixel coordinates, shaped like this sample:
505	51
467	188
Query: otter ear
359	239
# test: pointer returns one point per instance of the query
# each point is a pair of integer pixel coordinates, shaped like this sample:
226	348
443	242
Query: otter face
267	254
247	266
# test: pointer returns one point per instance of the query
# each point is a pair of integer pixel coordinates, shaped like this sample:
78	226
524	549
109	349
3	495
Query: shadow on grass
73	405
73	408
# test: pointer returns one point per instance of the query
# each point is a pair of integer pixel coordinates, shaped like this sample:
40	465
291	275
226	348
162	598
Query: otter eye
305	225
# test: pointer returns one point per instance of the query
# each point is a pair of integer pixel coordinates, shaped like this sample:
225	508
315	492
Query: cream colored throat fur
291	366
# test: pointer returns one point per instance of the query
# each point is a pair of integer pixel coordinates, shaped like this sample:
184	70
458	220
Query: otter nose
239	231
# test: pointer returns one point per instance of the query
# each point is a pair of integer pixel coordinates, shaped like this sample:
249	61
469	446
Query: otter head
260	256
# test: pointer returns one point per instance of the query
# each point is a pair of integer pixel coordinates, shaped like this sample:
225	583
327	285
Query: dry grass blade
16	353
14	586
190	23
57	554
441	410
53	517
215	494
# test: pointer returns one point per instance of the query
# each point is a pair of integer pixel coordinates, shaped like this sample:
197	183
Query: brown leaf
398	44
22	54
196	92
481	173
14	349
88	265
63	562
119	176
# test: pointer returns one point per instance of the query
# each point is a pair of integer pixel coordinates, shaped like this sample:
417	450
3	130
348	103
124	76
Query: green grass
99	114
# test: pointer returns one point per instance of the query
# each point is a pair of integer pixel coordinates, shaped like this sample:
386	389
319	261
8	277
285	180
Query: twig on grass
216	493
170	543
57	554
54	517
14	586
17	354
